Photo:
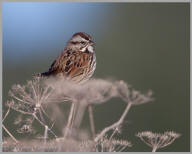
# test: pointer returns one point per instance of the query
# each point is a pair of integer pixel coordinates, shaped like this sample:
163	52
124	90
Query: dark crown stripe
83	35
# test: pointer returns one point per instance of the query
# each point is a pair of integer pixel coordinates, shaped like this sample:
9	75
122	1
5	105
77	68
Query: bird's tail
45	74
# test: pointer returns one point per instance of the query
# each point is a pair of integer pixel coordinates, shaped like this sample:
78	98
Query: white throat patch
90	48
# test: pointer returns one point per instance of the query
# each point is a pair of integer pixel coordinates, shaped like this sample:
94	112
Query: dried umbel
94	91
29	97
106	144
41	91
97	91
69	145
33	99
157	140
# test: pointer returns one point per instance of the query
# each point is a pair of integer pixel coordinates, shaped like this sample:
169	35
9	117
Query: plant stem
78	114
116	124
154	149
91	119
41	116
44	125
6	114
45	134
69	122
10	134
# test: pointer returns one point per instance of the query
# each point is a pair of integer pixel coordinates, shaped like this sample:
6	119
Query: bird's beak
91	42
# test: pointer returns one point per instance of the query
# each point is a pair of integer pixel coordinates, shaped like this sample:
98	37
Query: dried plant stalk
70	118
33	99
157	140
91	119
115	125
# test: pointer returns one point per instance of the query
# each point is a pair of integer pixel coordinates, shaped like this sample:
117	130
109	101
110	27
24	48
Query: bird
77	62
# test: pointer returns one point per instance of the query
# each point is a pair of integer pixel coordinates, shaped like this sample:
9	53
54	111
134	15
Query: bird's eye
82	42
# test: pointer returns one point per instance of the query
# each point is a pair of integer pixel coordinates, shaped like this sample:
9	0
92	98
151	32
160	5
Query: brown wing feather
80	65
71	64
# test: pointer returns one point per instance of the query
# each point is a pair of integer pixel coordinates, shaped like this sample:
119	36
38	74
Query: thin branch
79	112
52	120
70	117
113	134
41	116
25	102
44	125
45	134
52	125
24	95
6	114
115	125
23	112
119	147
154	149
9	133
45	92
91	119
42	109
145	142
46	96
35	94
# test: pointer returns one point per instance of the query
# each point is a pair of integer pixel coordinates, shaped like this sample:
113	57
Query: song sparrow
77	61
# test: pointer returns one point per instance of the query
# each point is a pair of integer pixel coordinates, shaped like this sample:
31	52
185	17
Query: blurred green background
144	44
